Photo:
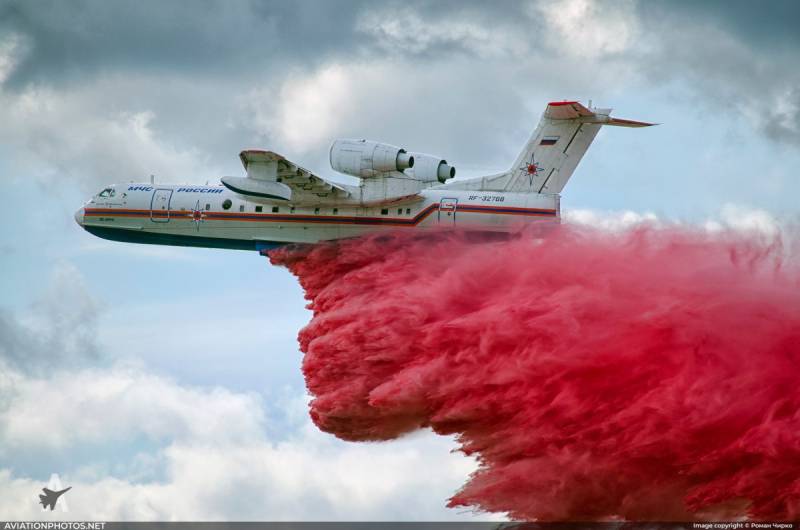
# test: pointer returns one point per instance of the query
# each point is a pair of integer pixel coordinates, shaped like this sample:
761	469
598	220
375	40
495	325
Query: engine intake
432	168
364	158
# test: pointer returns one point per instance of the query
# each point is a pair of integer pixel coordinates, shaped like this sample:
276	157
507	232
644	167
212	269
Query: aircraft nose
79	217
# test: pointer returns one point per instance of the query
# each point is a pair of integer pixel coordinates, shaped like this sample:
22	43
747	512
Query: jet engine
364	159
432	168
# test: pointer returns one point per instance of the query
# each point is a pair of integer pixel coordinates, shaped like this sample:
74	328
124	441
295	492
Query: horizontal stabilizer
627	123
572	110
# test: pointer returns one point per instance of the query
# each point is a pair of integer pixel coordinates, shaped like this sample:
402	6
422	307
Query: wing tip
247	155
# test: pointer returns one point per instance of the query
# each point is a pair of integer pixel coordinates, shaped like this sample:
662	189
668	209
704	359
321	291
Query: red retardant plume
647	375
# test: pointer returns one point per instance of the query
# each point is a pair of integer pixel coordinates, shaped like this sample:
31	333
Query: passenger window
316	210
335	211
259	208
408	211
226	204
291	210
385	211
208	206
399	211
241	207
275	209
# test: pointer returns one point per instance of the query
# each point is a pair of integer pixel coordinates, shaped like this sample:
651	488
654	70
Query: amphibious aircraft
280	202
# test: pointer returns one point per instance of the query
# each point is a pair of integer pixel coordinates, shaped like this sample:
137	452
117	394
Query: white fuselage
215	217
279	202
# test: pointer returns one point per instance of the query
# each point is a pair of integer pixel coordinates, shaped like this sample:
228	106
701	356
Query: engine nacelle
432	168
364	158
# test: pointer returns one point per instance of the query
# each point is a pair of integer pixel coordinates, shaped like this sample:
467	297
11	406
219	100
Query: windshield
108	192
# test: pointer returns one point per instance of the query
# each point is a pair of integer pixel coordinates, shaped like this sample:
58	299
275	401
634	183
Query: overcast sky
164	383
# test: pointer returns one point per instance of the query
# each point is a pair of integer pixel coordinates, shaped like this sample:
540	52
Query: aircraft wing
271	175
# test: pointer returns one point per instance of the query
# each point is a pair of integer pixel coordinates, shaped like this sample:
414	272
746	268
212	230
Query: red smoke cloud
648	375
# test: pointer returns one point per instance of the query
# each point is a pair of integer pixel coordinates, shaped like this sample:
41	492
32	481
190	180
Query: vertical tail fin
557	145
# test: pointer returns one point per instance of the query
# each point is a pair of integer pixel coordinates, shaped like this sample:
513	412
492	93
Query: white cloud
308	110
739	218
134	445
309	477
12	49
59	134
732	218
215	463
725	76
71	408
406	31
611	221
57	329
449	107
587	29
305	109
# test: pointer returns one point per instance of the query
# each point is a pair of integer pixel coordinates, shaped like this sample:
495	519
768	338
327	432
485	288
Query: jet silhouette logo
53	494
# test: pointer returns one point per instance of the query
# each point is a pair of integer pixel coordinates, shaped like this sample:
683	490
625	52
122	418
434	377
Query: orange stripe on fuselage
324	219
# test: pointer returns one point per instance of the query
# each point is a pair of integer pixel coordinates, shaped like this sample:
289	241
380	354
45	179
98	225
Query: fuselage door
447	210
159	206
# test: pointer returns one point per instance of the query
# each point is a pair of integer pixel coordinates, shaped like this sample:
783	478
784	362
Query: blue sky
138	373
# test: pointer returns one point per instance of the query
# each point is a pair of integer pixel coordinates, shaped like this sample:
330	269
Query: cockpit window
108	192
